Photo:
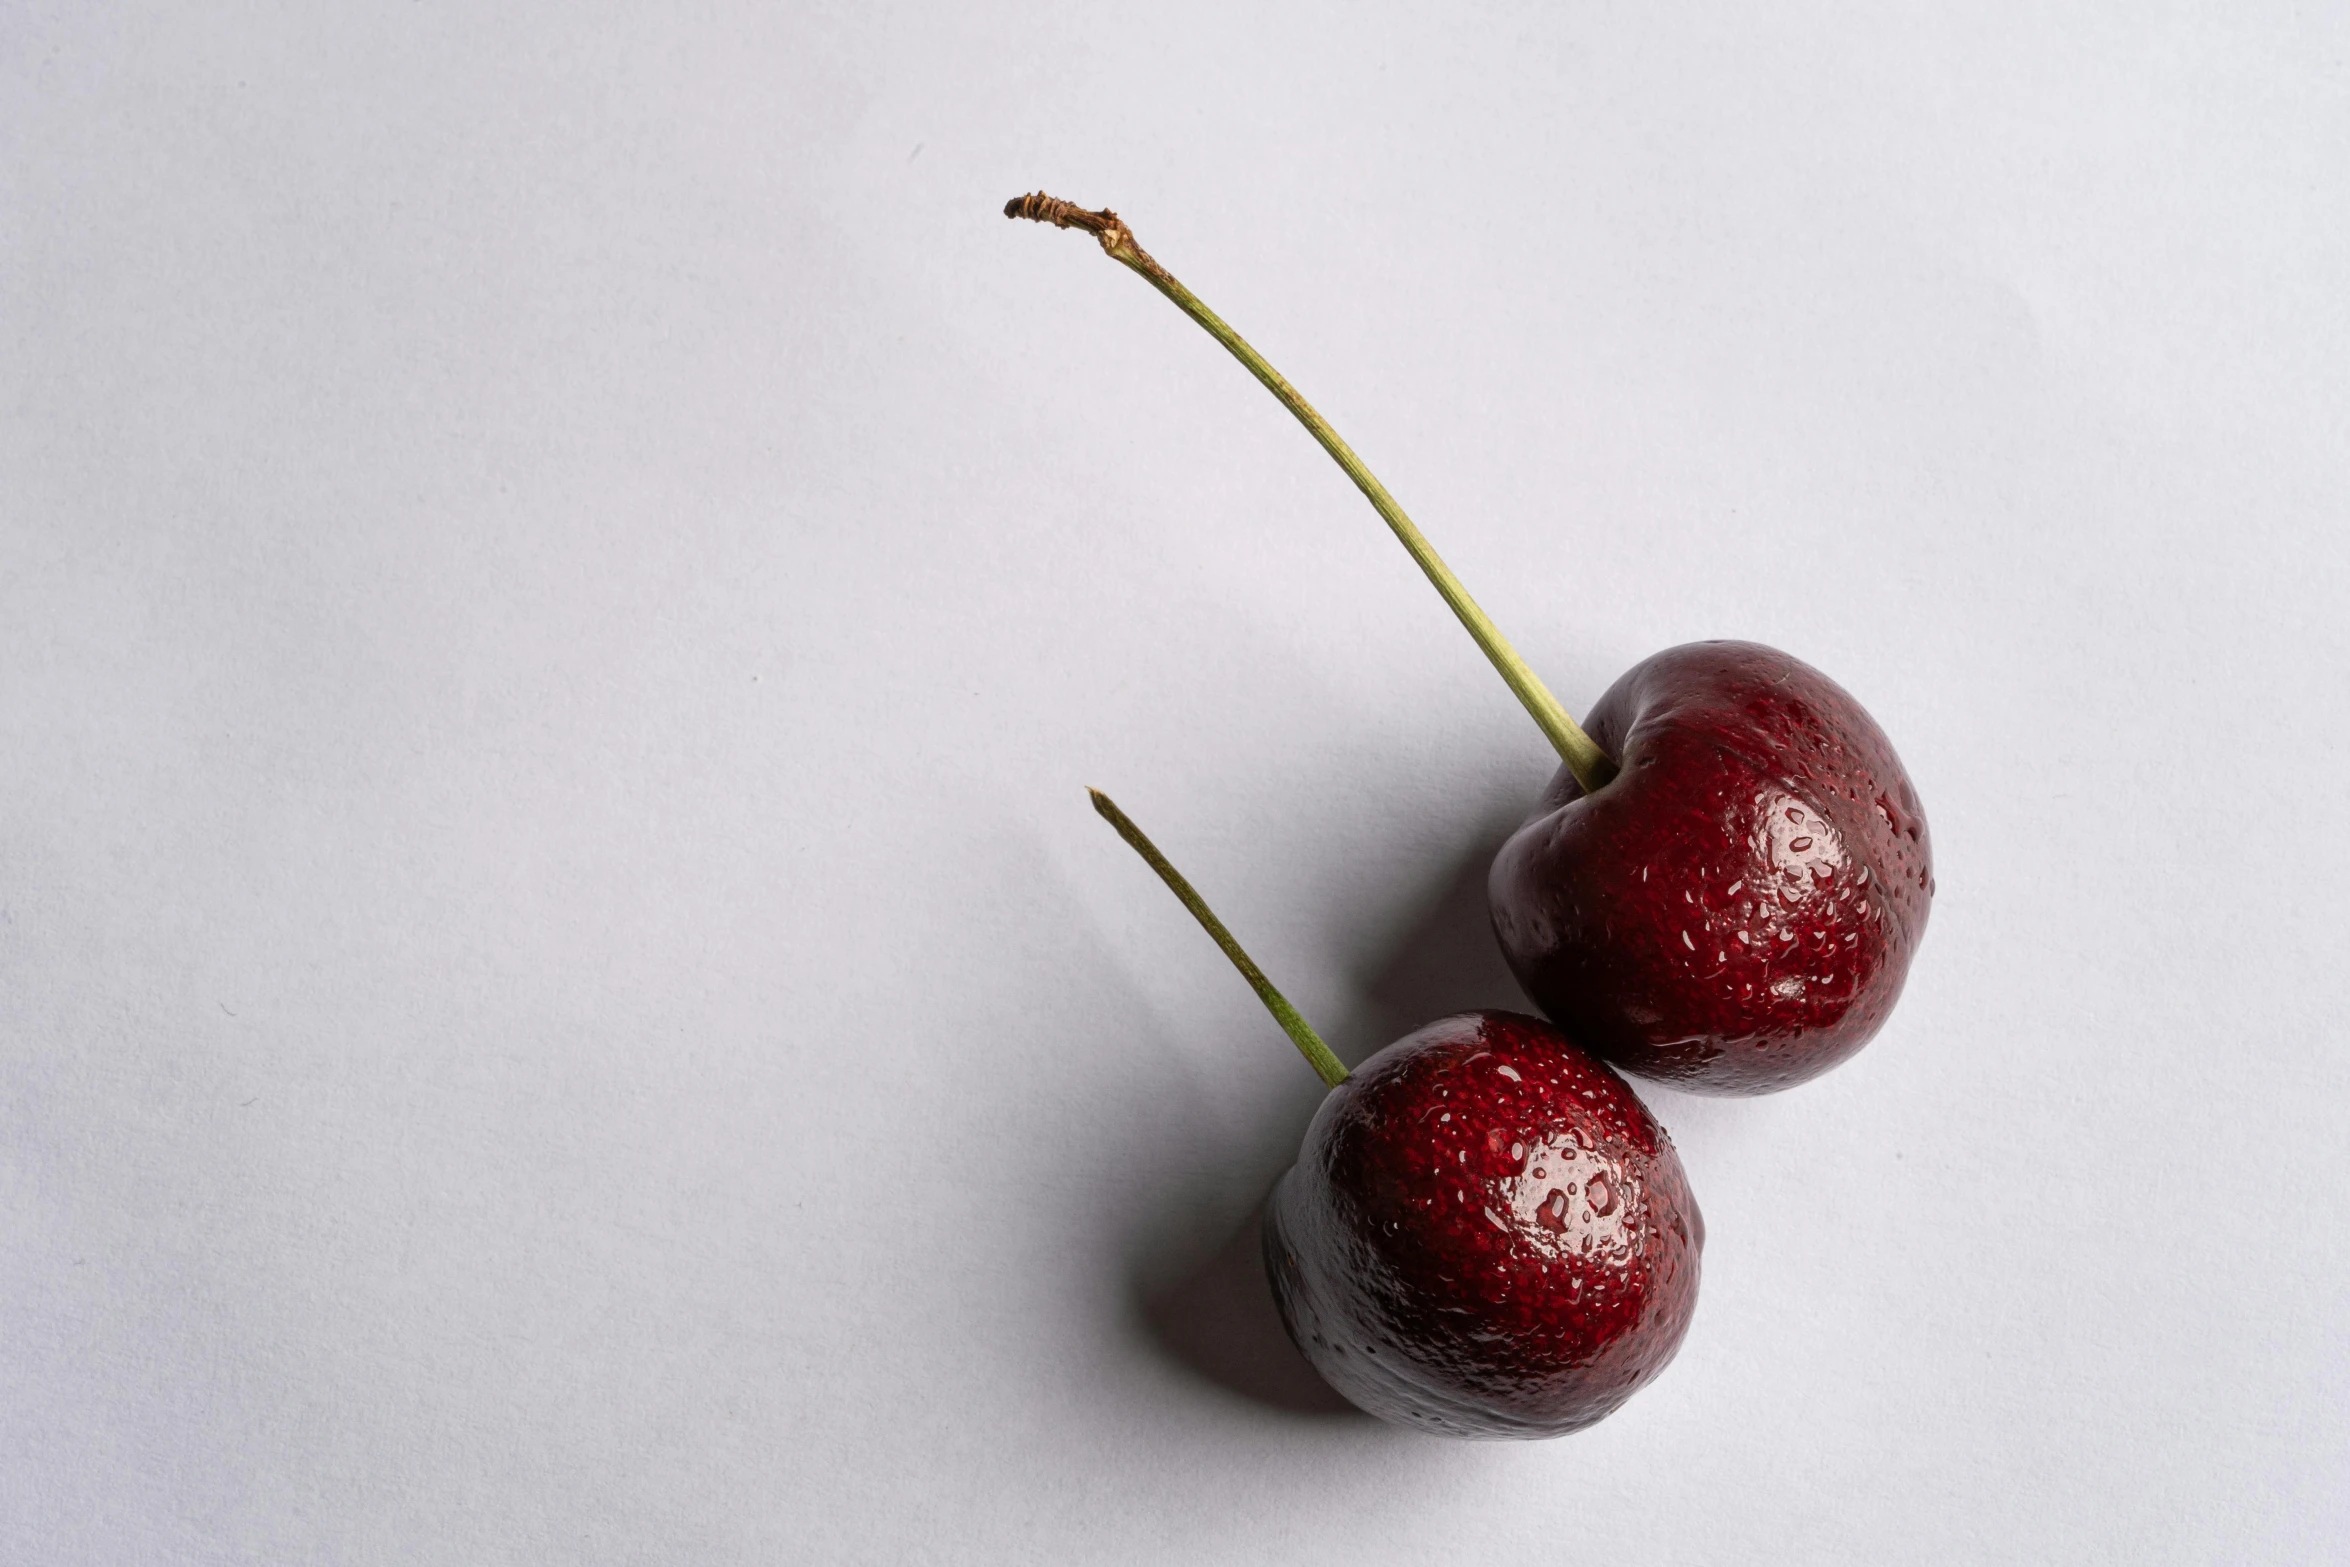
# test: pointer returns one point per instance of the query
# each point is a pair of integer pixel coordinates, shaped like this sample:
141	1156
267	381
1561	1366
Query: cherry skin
1736	909
1485	1234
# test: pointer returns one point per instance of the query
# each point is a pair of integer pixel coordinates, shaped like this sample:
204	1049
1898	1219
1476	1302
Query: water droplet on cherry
1602	1195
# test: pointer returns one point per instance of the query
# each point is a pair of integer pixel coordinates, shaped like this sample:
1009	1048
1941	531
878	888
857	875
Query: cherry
1736	910
1485	1232
1726	881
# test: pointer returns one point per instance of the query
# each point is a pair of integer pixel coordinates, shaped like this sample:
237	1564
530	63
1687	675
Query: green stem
1300	1032
1590	765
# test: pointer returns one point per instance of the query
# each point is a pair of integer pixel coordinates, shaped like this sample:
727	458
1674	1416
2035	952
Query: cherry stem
1301	1033
1590	765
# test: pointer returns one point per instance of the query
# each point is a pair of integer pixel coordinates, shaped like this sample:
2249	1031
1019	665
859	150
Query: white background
562	573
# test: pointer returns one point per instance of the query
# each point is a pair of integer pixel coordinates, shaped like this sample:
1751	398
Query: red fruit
1485	1234
1734	911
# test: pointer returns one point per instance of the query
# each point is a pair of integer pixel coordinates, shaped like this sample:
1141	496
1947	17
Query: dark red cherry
1726	882
1736	909
1486	1234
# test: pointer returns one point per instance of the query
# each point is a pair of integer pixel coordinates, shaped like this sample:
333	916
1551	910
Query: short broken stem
1293	1023
1590	765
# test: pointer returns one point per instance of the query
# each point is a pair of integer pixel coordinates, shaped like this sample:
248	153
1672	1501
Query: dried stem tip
1117	239
1038	207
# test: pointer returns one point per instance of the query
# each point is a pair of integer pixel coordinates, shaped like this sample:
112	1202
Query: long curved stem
1293	1023
1590	765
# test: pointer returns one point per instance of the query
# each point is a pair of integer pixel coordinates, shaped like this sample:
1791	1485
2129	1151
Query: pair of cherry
1486	1233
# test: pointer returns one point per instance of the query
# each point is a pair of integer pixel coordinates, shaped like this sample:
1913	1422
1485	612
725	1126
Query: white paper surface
562	573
